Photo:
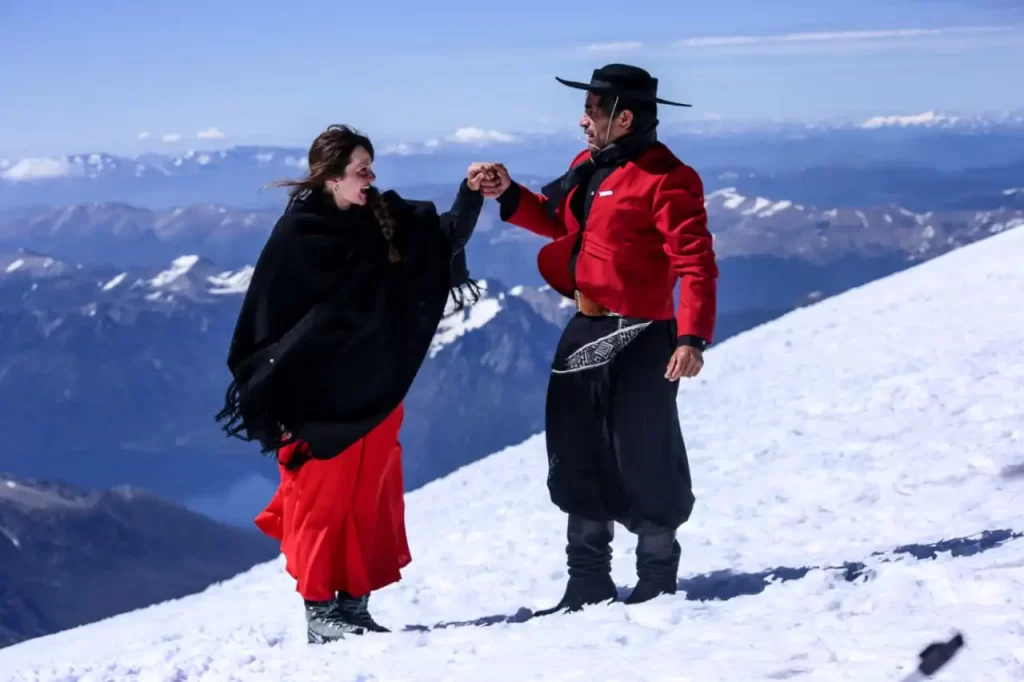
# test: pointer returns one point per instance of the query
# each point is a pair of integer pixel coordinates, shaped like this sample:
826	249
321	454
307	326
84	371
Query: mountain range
800	248
871	162
70	556
125	364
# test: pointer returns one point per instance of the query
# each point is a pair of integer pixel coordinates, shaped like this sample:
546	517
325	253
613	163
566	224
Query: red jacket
647	228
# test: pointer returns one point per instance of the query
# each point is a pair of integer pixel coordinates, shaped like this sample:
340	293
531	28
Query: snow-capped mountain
30	281
238	176
127	366
937	119
860	498
757	226
94	166
73	556
235	176
747	224
86	340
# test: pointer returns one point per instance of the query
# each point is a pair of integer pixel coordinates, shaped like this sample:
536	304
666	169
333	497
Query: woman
344	301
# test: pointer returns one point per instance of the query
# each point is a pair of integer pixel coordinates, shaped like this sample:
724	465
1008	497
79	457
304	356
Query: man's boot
589	559
657	566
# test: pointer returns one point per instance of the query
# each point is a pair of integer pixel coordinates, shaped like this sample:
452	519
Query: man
627	222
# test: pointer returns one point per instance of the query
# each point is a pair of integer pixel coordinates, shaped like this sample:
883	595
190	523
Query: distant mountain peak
24	262
180	267
927	118
729	198
474	316
231	281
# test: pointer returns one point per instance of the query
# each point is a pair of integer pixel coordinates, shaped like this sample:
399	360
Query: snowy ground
891	415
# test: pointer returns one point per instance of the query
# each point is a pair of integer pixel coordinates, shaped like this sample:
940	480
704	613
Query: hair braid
386	222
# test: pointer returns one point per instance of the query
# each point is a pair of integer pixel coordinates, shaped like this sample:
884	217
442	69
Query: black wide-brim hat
625	81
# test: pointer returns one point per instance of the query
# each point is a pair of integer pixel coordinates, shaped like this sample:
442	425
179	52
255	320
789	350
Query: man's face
600	129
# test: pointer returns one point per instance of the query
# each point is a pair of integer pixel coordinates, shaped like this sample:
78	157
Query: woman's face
352	188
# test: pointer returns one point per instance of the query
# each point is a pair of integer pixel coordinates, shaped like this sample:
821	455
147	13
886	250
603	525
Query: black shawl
331	334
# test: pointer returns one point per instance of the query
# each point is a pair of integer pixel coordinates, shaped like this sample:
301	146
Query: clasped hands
490	179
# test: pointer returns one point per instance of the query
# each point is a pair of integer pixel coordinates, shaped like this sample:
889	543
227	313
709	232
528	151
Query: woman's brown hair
328	157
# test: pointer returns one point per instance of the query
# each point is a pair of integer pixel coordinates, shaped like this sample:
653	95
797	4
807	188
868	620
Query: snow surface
114	282
891	414
756	206
229	282
456	324
179	267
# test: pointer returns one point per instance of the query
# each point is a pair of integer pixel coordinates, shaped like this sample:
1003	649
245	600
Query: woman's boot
325	624
356	611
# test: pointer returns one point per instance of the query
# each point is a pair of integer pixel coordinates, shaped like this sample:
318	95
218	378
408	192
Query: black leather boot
589	559
324	624
657	566
356	611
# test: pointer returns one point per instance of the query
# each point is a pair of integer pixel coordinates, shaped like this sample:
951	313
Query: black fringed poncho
331	333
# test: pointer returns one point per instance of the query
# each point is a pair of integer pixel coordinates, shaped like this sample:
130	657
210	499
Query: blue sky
87	76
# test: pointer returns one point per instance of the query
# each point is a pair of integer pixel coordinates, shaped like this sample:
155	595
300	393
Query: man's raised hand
490	179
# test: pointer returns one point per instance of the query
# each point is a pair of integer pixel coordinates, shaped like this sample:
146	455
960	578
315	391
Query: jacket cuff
472	197
692	341
508	201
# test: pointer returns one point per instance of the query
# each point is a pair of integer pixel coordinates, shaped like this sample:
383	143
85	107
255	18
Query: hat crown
622	80
626	76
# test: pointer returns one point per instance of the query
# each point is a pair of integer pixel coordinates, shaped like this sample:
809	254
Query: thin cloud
836	37
399	149
145	135
210	134
171	137
479	136
612	47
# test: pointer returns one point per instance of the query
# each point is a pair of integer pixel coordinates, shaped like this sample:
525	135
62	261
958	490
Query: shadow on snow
725	584
1015	471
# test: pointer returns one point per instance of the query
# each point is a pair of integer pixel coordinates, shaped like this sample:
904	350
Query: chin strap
611	119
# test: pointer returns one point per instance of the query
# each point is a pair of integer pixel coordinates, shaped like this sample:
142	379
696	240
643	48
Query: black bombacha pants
615	446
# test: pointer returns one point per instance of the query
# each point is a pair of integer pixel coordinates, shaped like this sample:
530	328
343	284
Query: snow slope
891	414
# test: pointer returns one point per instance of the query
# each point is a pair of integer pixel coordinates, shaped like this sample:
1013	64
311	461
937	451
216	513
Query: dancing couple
349	291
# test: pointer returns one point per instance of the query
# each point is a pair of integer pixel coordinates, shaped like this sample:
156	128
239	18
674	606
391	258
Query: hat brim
632	94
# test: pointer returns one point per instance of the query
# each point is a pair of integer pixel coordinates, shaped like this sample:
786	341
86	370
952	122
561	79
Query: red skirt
341	521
